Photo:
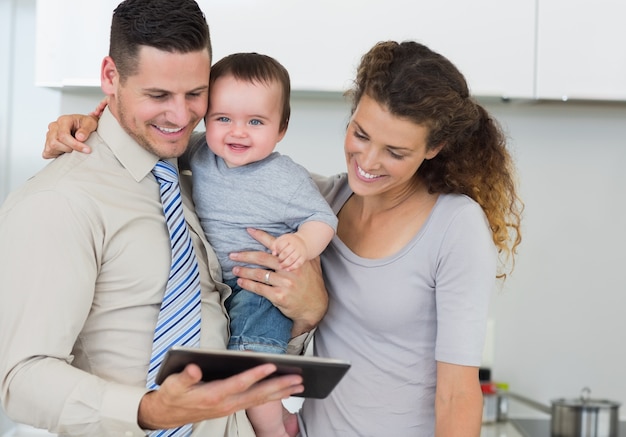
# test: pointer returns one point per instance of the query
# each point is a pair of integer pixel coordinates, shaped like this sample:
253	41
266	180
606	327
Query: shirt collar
138	161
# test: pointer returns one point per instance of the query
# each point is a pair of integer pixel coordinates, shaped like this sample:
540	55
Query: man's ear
109	76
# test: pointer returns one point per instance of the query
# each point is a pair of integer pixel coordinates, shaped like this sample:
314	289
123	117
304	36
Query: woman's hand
68	132
299	294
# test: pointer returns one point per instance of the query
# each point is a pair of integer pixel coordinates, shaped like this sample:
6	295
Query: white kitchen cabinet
491	41
72	39
320	43
580	49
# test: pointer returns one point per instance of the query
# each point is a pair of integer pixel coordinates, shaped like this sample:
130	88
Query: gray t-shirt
276	195
394	317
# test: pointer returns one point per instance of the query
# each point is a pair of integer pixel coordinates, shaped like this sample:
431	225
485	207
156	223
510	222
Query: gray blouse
393	318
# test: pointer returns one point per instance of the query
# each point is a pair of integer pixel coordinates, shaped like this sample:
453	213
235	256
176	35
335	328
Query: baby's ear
281	135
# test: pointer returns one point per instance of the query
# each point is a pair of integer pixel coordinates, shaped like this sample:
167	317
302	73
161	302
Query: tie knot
165	172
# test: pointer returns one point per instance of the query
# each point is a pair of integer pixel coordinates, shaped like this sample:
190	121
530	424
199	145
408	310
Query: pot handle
531	403
585	394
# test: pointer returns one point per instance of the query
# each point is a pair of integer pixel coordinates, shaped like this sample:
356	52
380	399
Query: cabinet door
580	50
320	42
72	39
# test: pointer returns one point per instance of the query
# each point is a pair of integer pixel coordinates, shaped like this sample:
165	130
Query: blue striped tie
179	318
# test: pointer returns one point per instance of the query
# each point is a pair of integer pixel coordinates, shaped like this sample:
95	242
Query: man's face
161	104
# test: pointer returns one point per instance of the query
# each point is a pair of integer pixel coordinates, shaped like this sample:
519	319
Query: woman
427	207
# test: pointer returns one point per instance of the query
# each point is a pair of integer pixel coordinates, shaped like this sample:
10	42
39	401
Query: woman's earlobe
430	154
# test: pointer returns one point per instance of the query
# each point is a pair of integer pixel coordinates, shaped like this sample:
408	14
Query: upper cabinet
545	49
320	42
72	39
580	49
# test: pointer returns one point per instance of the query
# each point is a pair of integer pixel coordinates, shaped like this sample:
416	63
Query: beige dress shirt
84	261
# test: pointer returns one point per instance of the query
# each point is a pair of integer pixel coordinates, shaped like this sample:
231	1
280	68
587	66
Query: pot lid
584	401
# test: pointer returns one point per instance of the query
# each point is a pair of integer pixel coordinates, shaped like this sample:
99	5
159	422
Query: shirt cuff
120	407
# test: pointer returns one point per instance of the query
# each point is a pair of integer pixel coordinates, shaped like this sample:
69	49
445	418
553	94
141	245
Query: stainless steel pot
584	417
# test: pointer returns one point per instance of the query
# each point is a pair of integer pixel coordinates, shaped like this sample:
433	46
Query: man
85	256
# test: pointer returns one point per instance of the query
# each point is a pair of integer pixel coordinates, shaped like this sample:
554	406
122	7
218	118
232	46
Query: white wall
6	45
560	322
559	319
25	110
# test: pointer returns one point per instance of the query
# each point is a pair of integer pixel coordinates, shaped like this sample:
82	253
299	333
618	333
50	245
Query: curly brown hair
420	85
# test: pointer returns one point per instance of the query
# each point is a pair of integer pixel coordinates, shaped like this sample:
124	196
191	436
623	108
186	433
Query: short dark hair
173	26
254	67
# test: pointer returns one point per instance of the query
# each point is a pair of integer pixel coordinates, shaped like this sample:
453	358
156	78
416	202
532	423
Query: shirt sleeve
48	269
298	345
307	204
465	279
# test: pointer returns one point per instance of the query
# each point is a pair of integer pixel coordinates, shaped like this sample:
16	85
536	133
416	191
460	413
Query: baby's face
243	120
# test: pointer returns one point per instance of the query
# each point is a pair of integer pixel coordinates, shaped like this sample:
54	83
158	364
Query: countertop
499	429
503	429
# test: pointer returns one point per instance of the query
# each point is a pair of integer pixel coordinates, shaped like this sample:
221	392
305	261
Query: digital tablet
320	375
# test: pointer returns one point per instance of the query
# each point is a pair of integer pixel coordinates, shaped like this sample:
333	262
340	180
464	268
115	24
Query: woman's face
383	151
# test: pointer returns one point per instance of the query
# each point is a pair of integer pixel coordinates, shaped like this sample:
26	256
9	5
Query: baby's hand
290	250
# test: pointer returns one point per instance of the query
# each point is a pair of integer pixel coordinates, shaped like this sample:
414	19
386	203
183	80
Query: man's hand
299	294
183	398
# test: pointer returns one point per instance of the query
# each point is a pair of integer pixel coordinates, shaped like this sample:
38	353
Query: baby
239	182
